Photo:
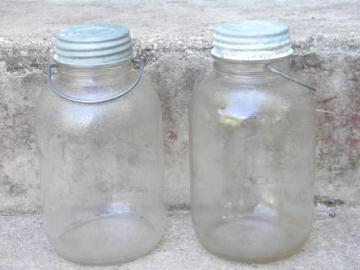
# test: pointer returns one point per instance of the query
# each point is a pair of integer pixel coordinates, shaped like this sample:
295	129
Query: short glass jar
252	148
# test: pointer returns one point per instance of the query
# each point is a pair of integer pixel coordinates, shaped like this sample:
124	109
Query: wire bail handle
139	64
285	76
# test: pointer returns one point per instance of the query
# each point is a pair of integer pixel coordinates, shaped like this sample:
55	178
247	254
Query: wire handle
138	62
285	76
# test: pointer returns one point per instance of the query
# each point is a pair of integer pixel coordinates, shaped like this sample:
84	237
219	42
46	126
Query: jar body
101	167
252	163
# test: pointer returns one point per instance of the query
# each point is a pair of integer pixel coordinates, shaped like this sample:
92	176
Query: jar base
252	239
108	240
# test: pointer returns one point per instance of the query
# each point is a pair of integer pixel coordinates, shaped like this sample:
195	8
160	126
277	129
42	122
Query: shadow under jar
101	154
252	148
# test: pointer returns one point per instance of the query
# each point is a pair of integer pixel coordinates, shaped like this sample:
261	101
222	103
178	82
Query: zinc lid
252	40
92	45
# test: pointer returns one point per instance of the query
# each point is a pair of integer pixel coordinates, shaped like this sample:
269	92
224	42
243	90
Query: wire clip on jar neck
138	62
287	77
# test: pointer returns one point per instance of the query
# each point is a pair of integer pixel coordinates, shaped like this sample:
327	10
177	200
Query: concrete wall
175	38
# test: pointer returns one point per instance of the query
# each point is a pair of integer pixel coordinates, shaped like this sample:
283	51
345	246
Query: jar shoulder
136	107
237	99
214	87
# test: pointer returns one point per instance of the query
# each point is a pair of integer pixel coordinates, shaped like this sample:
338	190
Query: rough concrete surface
175	37
334	244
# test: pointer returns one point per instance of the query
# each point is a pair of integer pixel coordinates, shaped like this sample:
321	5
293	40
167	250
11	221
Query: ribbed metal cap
252	40
92	45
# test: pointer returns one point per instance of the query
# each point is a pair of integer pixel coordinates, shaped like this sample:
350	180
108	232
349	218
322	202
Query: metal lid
252	40
92	45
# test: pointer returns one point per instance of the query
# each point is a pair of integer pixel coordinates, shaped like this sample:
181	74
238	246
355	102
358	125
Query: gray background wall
175	38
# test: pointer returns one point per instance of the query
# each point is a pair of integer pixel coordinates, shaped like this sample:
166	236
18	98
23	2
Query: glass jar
99	136
252	148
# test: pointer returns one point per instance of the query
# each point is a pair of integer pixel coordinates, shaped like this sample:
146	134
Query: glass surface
101	165
252	162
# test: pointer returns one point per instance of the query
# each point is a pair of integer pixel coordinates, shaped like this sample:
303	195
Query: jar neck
94	82
101	74
243	69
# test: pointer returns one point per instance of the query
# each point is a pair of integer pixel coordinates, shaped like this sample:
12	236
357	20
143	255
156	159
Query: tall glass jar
99	136
252	148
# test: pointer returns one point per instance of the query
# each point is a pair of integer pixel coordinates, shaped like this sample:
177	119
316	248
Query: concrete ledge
334	244
182	24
